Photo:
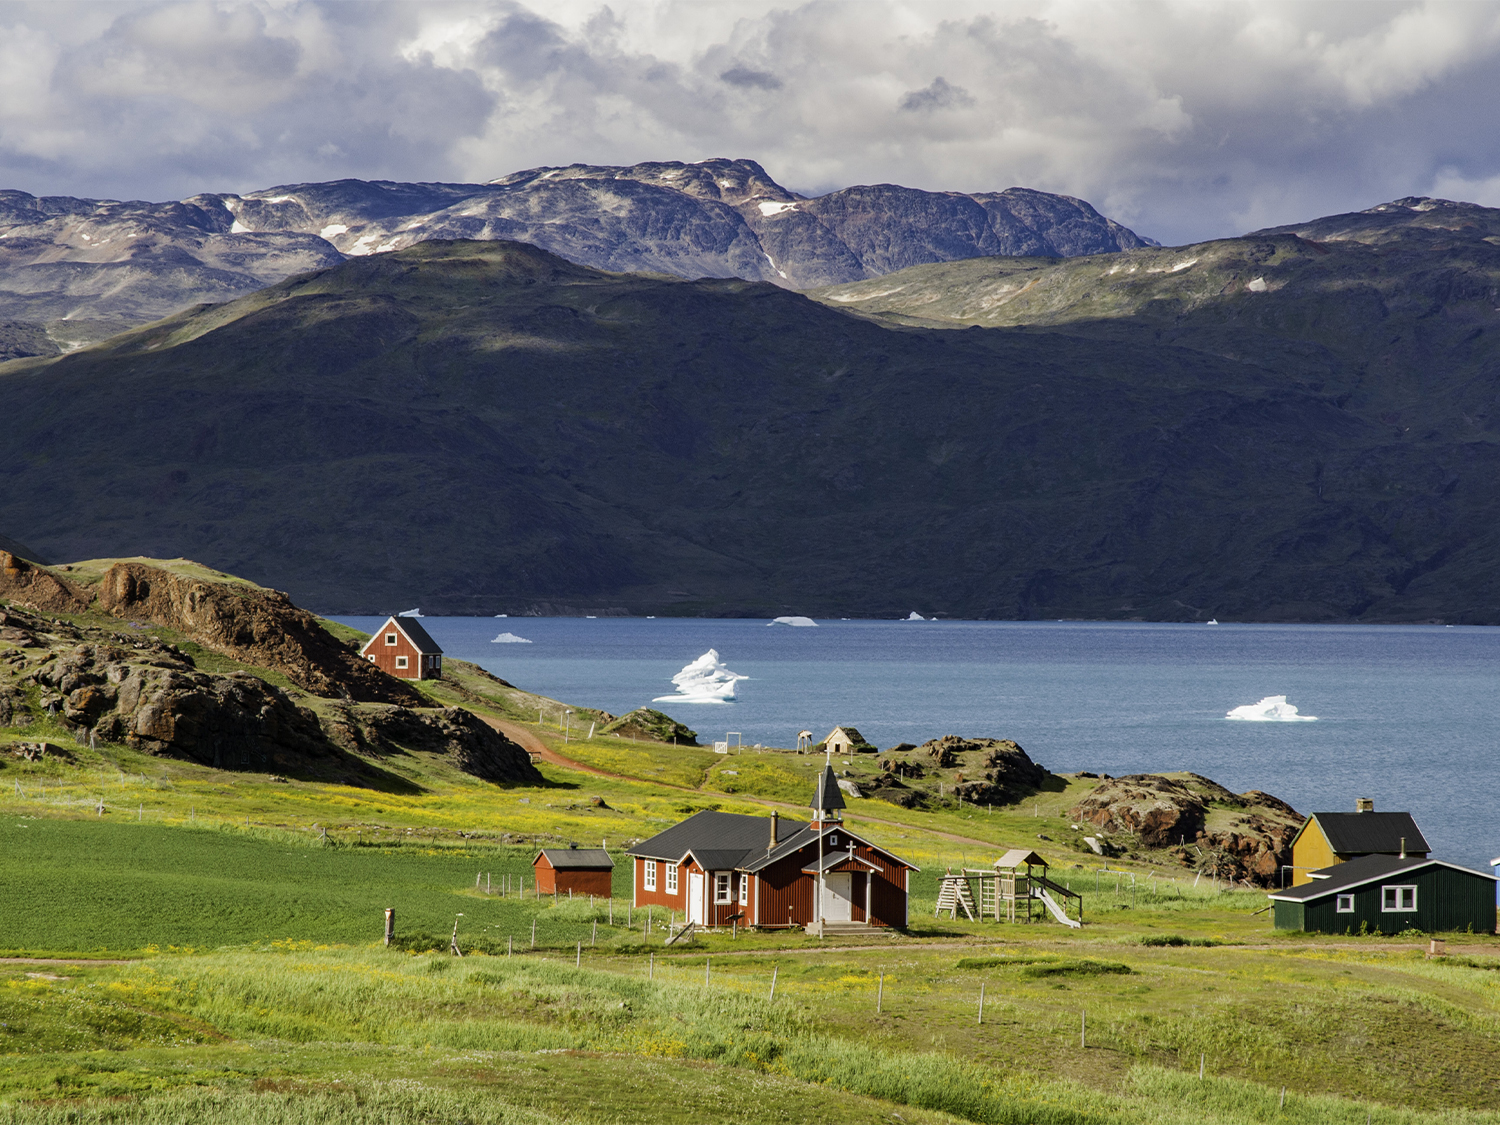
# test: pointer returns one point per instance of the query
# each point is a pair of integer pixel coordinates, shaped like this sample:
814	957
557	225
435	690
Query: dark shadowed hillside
483	427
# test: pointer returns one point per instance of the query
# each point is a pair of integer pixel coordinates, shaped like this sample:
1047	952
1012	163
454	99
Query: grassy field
206	946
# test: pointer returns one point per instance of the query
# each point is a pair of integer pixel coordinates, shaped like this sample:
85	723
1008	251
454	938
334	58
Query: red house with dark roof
402	648
721	868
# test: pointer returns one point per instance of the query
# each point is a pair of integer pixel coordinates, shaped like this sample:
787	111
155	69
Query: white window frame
723	888
744	889
400	662
390	638
648	879
1398	898
1343	904
671	878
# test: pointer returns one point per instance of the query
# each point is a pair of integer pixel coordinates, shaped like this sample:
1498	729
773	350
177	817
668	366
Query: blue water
1407	715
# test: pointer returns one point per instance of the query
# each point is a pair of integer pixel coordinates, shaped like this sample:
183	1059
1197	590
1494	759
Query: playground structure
1016	889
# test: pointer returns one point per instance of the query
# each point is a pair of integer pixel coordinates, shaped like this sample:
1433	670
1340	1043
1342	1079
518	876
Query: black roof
1366	833
561	858
714	832
414	633
735	842
1361	870
827	795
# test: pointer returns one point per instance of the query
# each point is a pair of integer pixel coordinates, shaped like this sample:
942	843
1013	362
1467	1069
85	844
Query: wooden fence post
390	924
705	970
533	933
1083	1029
774	969
578	956
880	994
651	966
981	1002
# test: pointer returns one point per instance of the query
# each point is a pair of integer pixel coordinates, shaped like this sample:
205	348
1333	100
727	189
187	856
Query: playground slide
1057	912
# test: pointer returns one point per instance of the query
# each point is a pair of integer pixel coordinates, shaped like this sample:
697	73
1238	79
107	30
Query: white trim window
744	889
722	886
671	878
648	880
1398	900
1344	904
390	638
400	662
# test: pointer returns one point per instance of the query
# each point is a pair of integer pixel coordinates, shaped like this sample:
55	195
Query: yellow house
1330	838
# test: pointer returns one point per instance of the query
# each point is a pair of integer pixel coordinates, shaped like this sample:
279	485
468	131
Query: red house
402	647
579	871
760	871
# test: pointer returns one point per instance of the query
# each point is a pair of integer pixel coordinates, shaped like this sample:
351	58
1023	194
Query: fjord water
1407	715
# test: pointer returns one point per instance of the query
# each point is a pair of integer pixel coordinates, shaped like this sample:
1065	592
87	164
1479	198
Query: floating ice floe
1271	709
914	616
795	622
410	613
509	639
502	615
705	680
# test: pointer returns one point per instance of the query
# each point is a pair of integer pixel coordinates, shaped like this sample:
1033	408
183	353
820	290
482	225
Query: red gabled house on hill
719	868
402	648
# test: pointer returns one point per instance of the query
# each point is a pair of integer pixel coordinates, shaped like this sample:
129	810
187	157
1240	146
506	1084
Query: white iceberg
410	613
1271	709
795	622
705	680
914	616
509	639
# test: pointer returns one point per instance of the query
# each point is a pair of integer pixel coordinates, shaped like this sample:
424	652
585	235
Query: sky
1185	121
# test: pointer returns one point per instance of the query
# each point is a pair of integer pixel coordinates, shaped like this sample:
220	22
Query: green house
1387	894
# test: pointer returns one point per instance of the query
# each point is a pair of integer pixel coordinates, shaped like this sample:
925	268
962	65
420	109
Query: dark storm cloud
938	95
1183	120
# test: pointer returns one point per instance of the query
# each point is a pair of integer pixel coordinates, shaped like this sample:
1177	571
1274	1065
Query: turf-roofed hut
405	650
1387	894
573	871
725	868
1328	838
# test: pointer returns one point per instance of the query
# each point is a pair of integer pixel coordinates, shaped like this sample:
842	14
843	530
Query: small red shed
583	871
402	648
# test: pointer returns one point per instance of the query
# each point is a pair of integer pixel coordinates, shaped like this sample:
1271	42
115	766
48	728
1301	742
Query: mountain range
1298	424
73	271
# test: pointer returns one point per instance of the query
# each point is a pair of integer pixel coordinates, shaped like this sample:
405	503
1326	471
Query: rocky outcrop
157	702
1234	836
251	624
1002	772
650	725
980	771
470	743
38	587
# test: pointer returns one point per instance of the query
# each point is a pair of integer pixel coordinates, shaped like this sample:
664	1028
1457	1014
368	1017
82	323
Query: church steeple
827	797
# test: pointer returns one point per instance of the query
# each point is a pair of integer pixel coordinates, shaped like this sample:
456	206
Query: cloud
749	78
1184	120
938	95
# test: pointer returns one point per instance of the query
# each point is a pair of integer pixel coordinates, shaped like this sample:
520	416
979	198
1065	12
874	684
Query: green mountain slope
483	427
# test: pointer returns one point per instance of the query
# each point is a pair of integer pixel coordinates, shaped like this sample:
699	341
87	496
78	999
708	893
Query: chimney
1403	847
1364	804
772	845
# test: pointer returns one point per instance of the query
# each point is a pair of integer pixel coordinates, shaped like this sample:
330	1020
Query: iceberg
509	639
915	616
795	622
705	680
1271	709
410	613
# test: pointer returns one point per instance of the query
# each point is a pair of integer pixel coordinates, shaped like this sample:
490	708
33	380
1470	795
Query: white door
695	897
838	898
